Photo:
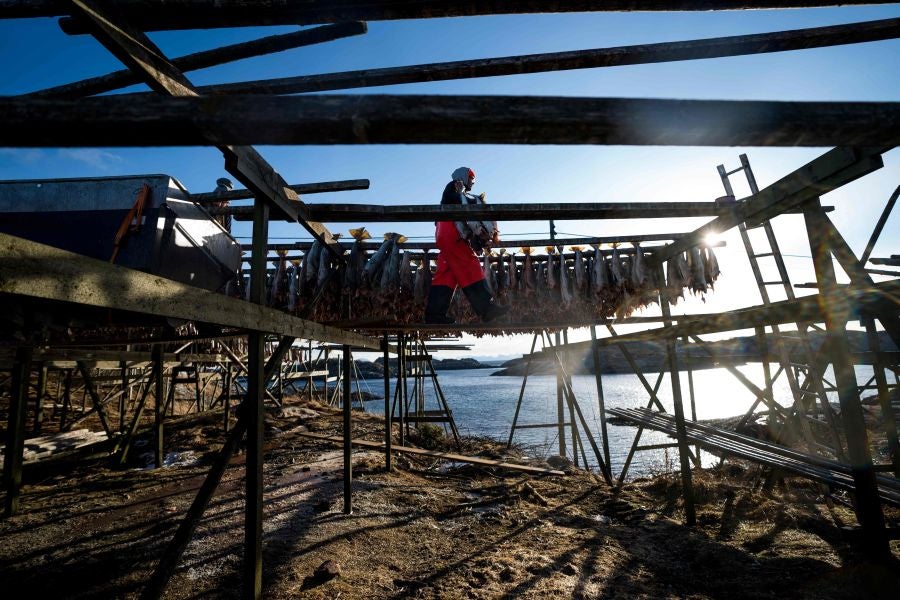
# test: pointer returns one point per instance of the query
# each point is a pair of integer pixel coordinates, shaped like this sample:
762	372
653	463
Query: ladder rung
763	254
773	283
540	425
738	170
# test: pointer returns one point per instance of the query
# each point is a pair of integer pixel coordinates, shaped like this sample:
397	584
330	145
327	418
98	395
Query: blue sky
37	55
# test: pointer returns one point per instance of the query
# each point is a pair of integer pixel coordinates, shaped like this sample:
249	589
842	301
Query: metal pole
837	312
348	436
388	416
884	400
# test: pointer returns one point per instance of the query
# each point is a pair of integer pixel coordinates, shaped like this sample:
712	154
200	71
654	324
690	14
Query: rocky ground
428	529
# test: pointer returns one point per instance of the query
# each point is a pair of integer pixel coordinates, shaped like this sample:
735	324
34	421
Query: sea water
483	405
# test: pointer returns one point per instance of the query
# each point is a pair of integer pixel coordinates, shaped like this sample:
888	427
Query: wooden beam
300	188
34	270
208	58
204	14
411	119
414	213
141	55
823	174
738	45
475	460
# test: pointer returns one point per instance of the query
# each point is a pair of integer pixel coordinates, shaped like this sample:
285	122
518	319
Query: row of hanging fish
392	284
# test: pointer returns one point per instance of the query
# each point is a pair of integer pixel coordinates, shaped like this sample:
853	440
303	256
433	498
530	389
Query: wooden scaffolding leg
348	434
388	422
837	312
158	405
39	398
15	439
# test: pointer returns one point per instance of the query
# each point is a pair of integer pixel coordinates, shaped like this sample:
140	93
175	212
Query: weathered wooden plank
299	188
413	213
780	41
410	119
208	58
203	14
145	59
819	176
475	460
34	270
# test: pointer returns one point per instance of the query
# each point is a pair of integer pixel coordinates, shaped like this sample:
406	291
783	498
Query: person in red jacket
457	263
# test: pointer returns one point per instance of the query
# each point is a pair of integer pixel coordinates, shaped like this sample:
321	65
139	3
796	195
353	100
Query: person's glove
458	186
481	197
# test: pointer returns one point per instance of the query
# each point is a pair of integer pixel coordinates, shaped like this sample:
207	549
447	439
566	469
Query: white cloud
99	159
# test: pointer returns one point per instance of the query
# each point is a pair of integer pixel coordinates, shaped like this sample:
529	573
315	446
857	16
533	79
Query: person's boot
439	297
482	302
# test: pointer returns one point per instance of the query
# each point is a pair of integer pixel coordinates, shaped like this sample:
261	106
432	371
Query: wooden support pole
67	400
195	14
15	431
208	58
560	412
879	226
233	122
758	43
884	399
684	452
123	399
226	417
601	402
348	433
95	397
515	421
256	384
388	421
837	311
39	398
299	188
158	405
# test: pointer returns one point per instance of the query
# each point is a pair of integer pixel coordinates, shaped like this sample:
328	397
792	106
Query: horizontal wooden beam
823	174
33	270
738	45
208	58
204	14
415	213
411	119
299	188
806	309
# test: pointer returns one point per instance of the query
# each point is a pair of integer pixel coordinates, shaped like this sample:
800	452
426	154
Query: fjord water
483	405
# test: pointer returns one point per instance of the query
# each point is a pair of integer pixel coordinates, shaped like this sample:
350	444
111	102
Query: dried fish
712	271
406	272
616	276
564	292
324	268
529	277
580	270
638	268
375	264
421	284
277	286
486	271
513	275
503	280
357	260
599	274
552	282
311	262
293	287
390	276
698	277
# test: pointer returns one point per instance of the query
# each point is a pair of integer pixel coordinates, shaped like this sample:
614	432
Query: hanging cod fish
513	276
311	263
376	262
406	273
324	268
390	276
616	277
552	282
599	275
502	274
638	269
488	275
276	289
421	284
528	275
293	288
357	260
698	271
712	271
677	277
580	270
565	293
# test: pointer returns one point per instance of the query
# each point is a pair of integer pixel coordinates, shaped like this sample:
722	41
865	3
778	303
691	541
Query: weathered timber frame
177	114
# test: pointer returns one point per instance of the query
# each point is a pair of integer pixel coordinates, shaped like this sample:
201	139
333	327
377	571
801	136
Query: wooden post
348	435
884	399
595	355
837	312
388	417
15	428
123	399
39	398
227	402
158	405
67	400
684	453
560	409
253	507
570	399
